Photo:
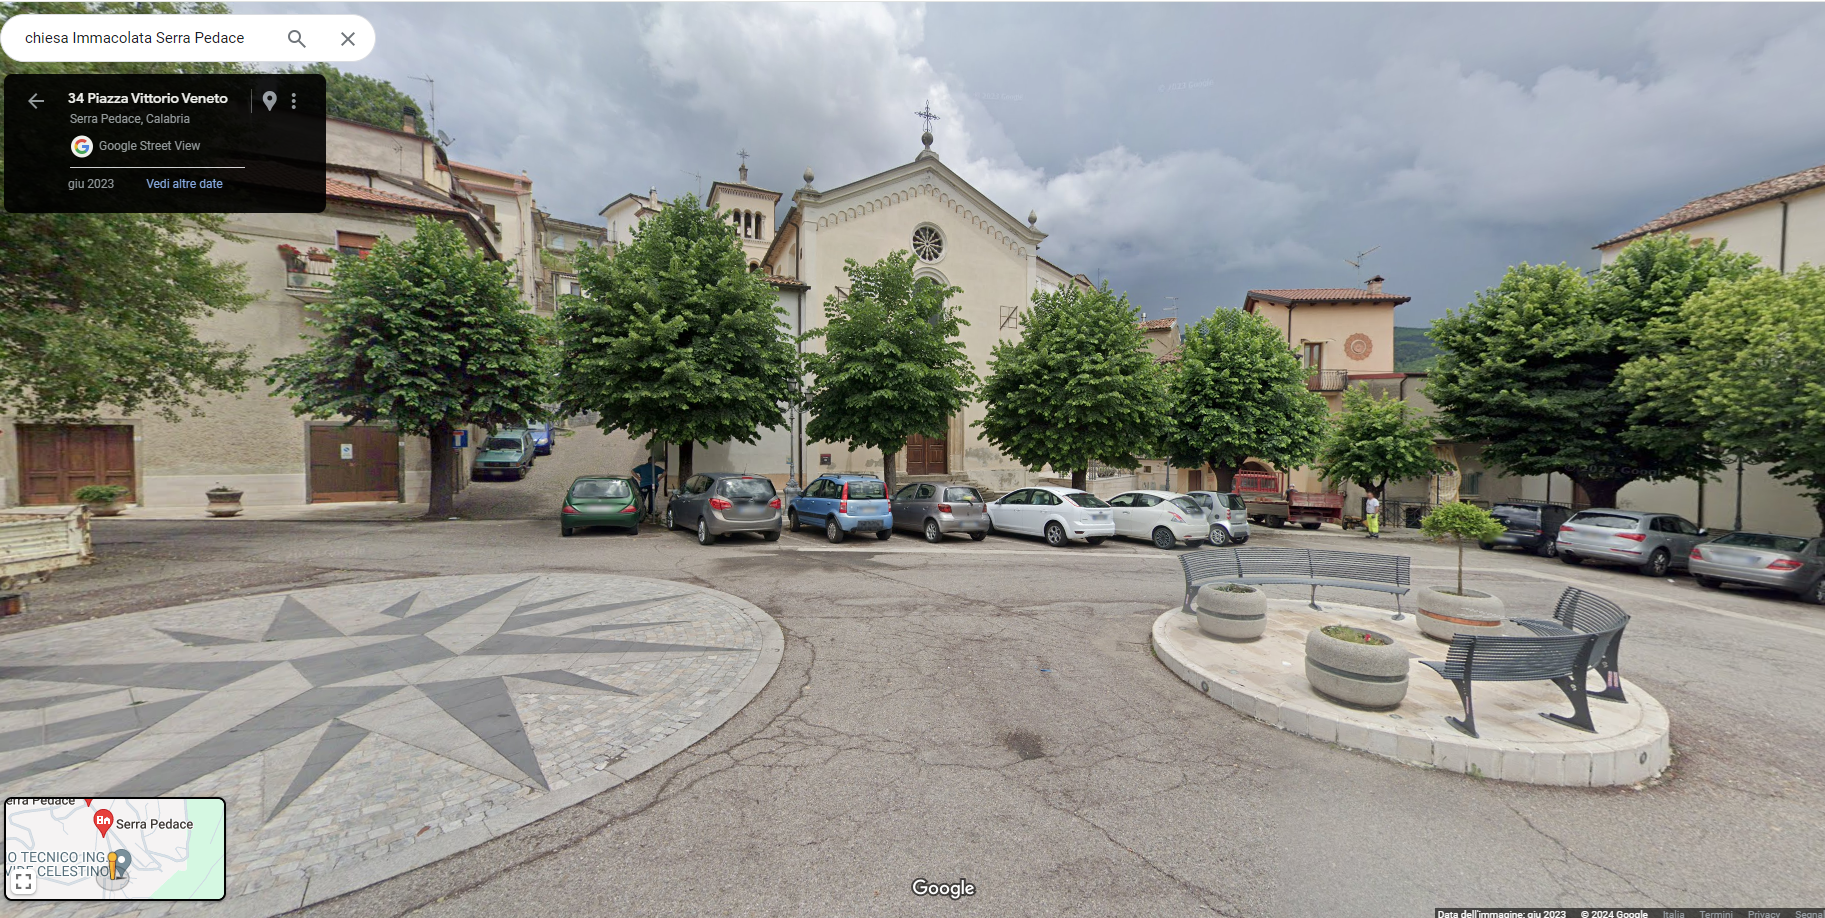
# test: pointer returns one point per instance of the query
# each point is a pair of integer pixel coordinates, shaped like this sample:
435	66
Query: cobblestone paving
352	722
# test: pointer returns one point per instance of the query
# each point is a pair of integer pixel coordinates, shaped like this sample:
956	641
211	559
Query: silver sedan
1791	564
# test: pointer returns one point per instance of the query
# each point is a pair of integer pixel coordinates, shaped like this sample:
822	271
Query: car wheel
1486	546
770	536
671	525
1658	562
884	534
1055	534
1549	550
1276	522
567	531
1219	537
1570	559
1097	540
933	534
1308	525
1709	583
792	520
1816	595
703	532
978	536
834	532
1163	539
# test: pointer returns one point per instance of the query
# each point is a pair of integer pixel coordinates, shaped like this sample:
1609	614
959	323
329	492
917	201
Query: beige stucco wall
1333	324
349	144
1757	230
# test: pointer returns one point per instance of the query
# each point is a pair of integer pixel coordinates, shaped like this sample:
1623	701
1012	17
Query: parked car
505	453
843	504
1060	514
718	503
1162	517
936	509
1793	564
1652	543
1530	526
601	500
543	436
1228	515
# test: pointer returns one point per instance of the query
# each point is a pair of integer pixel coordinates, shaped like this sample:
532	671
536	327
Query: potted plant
223	501
1231	611
102	500
316	254
1444	613
1356	666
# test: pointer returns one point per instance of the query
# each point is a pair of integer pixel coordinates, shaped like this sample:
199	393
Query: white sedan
1162	517
1060	514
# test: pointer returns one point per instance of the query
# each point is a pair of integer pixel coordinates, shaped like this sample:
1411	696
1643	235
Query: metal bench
1306	566
1562	658
1579	612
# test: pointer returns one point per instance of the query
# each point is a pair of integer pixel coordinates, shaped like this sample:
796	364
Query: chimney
1375	285
411	120
652	197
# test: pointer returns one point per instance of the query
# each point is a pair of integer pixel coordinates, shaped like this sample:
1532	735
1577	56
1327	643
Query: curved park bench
1562	658
1305	566
1579	612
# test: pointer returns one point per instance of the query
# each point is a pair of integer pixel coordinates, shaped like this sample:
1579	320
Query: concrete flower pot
106	508
1444	614
1365	675
223	501
1231	611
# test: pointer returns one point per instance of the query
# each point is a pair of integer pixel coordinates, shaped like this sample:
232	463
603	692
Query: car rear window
1523	516
504	443
1763	541
746	488
1235	502
867	490
1186	503
1606	520
962	495
1086	500
605	489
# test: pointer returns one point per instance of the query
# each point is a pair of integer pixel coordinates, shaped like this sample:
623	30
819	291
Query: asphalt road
991	711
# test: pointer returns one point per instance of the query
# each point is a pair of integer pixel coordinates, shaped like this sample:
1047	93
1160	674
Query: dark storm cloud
1181	150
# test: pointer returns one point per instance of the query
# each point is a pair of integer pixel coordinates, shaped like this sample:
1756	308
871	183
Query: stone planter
107	508
1443	614
223	501
1231	611
1365	675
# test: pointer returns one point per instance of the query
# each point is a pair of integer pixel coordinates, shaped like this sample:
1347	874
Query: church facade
959	236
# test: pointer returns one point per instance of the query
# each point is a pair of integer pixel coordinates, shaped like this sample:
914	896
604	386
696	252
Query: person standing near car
649	475
1371	516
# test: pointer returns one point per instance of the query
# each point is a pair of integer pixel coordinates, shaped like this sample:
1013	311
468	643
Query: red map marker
104	820
88	801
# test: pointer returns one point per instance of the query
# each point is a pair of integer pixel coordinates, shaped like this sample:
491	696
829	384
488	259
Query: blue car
542	437
843	504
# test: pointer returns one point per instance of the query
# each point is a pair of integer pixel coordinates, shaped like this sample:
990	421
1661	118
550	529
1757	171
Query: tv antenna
699	179
1174	308
433	112
1357	264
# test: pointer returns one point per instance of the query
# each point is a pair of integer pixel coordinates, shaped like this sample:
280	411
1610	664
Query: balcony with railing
309	274
1328	380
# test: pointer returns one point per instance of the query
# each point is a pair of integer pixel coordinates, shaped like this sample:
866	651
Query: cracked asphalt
991	712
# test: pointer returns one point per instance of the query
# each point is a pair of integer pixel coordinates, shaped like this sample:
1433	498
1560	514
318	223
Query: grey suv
1652	543
718	503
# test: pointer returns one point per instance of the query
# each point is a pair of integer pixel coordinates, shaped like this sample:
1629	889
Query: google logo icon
82	146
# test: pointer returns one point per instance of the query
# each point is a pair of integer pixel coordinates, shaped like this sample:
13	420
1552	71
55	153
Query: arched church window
928	244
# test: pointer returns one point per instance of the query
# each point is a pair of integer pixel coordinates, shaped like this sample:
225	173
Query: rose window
927	244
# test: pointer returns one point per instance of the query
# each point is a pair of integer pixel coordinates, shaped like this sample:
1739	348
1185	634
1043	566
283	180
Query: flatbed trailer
1273	507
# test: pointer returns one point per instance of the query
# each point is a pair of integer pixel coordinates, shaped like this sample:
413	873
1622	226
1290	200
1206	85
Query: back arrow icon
34	100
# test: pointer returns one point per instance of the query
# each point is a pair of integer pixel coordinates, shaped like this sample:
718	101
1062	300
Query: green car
606	500
504	454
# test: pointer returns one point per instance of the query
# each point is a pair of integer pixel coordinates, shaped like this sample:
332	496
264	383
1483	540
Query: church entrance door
927	455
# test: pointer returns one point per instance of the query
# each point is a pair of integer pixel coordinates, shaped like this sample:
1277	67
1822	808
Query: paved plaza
994	711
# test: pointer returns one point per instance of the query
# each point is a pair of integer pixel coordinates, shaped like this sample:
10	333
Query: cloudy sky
1179	150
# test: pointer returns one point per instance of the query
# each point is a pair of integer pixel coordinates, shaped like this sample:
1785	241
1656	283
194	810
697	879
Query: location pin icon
104	820
269	97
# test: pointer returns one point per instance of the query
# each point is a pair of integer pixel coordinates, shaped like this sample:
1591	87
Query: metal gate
353	463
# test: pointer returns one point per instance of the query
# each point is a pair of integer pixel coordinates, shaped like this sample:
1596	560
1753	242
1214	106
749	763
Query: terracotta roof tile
1326	295
1746	196
364	195
1158	323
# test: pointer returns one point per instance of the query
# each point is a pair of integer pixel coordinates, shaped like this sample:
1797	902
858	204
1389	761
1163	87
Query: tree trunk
1820	508
443	478
888	476
1080	480
684	460
1601	491
1226	477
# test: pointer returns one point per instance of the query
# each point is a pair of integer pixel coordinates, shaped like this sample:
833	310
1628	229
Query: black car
1531	526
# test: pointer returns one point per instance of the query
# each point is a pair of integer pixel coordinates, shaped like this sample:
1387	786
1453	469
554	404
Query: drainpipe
1739	493
1783	258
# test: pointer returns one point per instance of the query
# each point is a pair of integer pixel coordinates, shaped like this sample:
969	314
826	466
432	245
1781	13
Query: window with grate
927	243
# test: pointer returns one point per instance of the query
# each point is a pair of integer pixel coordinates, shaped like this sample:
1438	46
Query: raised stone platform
1265	679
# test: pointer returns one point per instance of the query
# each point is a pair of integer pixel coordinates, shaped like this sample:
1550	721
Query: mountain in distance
1413	351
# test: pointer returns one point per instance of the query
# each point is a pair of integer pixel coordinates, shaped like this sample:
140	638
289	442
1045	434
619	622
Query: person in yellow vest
1371	516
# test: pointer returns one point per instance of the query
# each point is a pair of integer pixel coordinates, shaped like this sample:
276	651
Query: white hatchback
1161	517
1060	514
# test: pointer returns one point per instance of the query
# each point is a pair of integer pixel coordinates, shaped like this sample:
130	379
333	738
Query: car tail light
944	508
1785	564
774	503
631	508
721	503
569	509
1633	536
1565	528
1695	556
1175	517
842	506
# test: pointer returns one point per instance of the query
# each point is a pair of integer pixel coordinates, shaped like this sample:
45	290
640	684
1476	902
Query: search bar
180	37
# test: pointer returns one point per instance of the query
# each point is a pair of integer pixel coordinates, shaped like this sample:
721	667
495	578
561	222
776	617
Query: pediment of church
926	178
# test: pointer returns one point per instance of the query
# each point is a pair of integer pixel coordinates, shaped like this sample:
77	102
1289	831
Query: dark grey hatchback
718	503
1530	526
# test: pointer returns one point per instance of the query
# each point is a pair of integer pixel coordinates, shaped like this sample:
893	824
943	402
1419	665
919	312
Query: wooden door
56	459
927	456
353	463
1194	480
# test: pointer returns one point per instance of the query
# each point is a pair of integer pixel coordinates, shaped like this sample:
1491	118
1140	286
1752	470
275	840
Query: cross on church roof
744	155
927	115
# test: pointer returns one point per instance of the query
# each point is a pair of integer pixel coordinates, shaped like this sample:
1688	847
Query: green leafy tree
1753	370
98	309
1079	386
426	336
368	100
1460	522
1378	441
892	364
673	337
1240	393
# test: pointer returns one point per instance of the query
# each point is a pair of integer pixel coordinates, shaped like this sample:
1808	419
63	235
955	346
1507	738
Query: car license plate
868	525
1099	516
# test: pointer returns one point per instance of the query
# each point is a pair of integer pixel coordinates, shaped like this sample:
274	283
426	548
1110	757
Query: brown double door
56	459
353	463
927	455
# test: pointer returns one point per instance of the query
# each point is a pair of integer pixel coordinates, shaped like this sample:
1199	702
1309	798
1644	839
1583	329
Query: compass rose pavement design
349	723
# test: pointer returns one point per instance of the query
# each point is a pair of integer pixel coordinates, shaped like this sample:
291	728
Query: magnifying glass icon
296	38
